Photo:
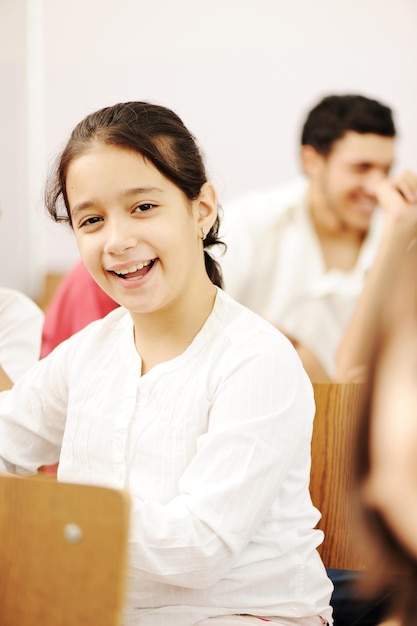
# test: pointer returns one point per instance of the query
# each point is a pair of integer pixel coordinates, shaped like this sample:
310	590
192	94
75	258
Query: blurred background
240	73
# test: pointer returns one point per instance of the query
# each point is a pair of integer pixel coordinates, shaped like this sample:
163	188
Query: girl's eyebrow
127	193
141	190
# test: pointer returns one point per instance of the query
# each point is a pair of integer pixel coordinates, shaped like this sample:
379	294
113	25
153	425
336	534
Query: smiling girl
194	404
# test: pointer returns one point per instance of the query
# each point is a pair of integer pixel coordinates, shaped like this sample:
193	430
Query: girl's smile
134	277
135	272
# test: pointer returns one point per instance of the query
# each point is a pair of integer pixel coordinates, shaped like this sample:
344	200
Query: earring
203	233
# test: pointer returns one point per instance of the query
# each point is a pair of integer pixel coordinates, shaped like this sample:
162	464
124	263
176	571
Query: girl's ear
206	206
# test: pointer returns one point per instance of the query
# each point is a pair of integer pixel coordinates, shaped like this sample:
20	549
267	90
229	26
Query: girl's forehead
108	159
108	172
98	148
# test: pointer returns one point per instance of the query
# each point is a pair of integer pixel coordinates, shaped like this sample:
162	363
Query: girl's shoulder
243	327
249	350
99	335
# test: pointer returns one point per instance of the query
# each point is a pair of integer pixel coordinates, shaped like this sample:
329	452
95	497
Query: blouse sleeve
32	416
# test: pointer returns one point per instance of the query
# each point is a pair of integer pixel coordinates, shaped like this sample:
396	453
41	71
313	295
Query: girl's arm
32	417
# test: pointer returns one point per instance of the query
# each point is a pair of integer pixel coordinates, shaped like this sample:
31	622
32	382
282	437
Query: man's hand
398	198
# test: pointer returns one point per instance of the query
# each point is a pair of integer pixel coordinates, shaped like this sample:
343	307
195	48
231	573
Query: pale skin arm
392	484
398	199
311	364
5	382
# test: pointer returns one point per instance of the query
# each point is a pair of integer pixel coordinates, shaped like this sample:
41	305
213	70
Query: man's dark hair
334	116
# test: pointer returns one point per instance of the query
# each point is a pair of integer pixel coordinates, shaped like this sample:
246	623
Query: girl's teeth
134	268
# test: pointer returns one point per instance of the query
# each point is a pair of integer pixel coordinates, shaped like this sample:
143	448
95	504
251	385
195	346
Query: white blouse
214	448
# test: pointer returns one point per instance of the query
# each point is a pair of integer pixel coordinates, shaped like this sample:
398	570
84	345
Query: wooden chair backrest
338	407
63	550
51	283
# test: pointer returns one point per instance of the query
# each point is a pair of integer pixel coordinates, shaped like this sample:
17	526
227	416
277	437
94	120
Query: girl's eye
90	220
142	208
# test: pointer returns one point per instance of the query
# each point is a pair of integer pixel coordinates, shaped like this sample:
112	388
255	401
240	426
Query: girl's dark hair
392	569
155	132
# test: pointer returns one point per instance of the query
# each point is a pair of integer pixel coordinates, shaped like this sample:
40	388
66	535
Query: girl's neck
164	335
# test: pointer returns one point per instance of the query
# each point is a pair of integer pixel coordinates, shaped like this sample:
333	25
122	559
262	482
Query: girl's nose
119	238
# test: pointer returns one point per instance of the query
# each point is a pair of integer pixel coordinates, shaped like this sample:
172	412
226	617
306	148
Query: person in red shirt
77	302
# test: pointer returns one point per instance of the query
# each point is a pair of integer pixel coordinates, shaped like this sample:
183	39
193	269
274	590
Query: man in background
298	254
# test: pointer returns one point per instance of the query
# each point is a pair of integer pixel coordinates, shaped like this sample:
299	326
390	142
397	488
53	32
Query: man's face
345	181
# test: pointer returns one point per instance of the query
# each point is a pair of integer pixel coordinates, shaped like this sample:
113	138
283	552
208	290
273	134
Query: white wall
241	74
13	167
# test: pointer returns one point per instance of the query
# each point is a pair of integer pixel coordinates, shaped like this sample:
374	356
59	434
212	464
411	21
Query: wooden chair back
63	550
338	407
51	283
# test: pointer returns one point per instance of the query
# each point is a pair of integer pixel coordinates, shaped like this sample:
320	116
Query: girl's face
137	232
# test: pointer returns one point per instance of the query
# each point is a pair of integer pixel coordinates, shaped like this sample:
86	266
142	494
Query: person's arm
5	381
392	484
311	363
398	198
